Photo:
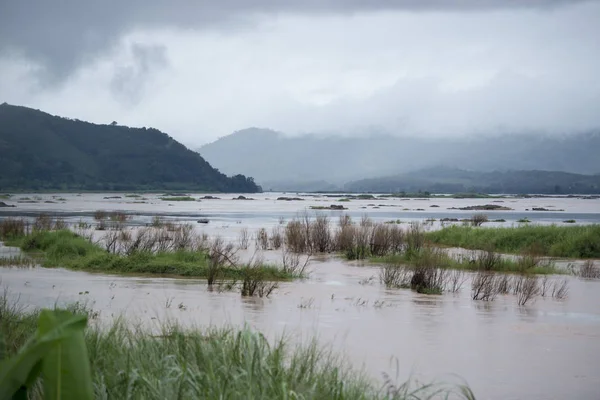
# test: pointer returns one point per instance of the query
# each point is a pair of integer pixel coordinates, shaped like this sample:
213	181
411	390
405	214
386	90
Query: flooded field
548	349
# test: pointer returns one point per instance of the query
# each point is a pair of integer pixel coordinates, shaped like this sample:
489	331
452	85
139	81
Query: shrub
427	276
415	238
560	290
381	240
295	237
488	260
588	270
320	234
479	219
456	280
344	238
528	288
254	280
244	239
484	286
11	228
394	276
276	238
262	239
503	284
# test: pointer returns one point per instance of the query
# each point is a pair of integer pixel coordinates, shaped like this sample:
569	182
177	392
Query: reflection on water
547	350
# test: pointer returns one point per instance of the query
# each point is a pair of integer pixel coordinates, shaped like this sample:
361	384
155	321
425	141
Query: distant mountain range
444	180
39	151
329	162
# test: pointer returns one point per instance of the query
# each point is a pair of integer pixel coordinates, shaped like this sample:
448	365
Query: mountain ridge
272	157
40	151
450	180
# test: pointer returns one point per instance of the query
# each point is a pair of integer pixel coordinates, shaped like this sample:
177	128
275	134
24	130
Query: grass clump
552	240
178	363
178	198
69	250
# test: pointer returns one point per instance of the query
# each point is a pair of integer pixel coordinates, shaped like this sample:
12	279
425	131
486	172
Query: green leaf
66	367
23	369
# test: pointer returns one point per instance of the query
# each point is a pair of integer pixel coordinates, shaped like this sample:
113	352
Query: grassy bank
66	249
130	363
555	241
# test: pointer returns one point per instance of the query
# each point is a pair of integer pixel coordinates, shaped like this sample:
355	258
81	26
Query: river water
548	349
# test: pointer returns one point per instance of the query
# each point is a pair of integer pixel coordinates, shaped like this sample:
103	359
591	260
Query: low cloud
408	67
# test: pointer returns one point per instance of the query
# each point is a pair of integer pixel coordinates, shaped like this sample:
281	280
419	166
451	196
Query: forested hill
39	151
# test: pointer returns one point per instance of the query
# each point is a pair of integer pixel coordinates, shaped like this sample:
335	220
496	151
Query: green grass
178	363
67	250
178	198
555	241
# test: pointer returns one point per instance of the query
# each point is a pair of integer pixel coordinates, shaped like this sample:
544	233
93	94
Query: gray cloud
62	35
423	68
129	79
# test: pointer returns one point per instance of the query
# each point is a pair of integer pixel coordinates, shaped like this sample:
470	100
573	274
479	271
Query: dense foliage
39	151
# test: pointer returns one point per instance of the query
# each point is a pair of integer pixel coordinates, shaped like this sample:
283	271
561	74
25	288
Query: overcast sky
198	72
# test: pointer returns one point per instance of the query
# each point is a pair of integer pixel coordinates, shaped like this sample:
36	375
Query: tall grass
557	241
177	363
68	250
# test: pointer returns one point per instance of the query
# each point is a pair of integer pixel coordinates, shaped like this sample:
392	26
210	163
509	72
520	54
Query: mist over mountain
314	162
39	151
449	180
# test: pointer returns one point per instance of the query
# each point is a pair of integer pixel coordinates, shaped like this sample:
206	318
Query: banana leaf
20	371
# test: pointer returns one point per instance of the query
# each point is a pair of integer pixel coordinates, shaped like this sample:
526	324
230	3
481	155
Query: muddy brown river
548	349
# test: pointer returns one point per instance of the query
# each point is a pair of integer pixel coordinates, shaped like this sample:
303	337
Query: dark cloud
63	34
128	82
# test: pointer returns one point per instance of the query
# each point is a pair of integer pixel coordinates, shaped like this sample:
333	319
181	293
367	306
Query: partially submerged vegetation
472	262
178	198
389	243
164	249
556	241
485	207
330	207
